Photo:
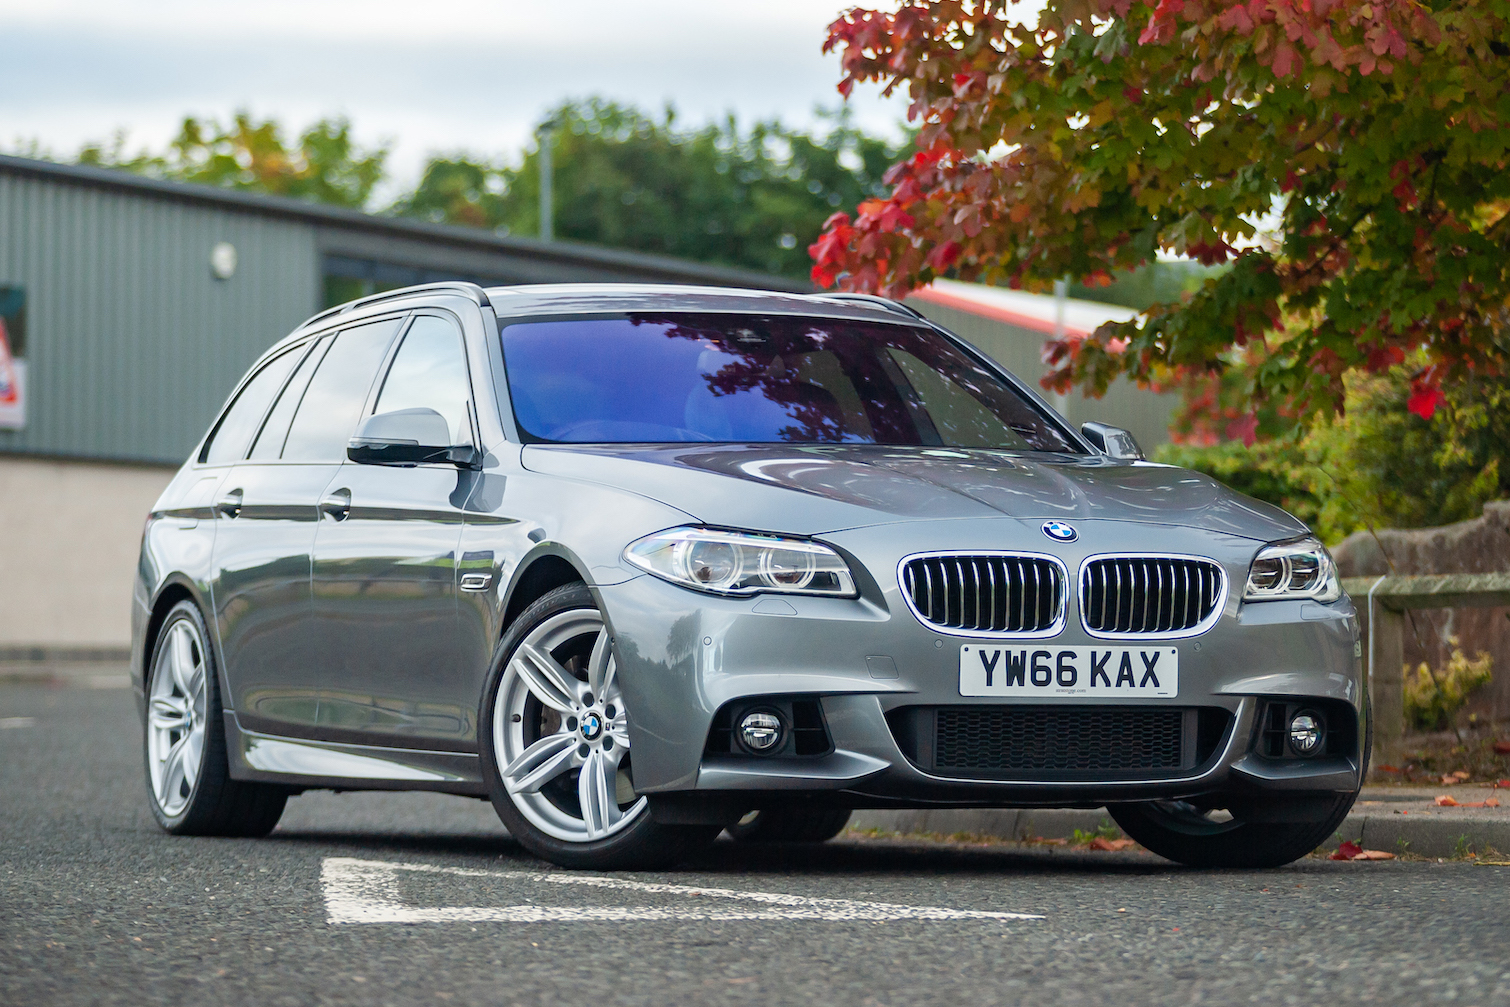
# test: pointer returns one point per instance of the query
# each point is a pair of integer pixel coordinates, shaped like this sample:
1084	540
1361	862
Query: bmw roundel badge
1059	531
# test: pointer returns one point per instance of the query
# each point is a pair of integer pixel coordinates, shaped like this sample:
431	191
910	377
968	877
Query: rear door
266	532
393	664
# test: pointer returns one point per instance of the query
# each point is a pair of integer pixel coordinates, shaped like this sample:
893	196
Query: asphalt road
97	906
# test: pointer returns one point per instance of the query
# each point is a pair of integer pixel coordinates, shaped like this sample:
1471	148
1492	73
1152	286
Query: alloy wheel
176	717
560	734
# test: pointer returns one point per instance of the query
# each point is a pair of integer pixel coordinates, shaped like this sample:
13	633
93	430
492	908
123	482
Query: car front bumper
683	655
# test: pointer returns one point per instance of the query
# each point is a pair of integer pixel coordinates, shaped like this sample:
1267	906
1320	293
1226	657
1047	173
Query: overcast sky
439	76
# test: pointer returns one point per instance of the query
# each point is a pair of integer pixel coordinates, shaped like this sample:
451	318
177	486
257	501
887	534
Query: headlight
742	563
1299	569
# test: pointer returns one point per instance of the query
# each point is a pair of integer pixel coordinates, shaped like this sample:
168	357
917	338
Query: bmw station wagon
640	564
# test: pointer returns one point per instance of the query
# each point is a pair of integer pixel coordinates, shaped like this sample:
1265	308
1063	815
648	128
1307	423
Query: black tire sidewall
643	844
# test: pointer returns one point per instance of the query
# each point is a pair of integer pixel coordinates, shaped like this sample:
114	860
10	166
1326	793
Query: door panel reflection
384	604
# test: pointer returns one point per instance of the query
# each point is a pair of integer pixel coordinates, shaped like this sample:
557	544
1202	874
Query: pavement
424	899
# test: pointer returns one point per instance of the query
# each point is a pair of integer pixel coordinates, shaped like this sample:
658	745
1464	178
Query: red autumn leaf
1502	747
1424	400
1446	801
1347	851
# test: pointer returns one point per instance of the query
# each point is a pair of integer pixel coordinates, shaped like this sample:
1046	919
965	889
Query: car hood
812	489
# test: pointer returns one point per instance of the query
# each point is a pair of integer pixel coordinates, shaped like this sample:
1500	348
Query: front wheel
1187	834
555	745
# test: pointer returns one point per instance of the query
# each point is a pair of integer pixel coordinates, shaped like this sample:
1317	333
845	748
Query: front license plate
1118	672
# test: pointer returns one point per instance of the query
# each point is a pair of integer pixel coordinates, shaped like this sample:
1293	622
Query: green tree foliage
716	193
325	166
1377	464
1375	133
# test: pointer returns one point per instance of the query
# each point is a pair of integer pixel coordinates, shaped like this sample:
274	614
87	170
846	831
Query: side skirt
300	762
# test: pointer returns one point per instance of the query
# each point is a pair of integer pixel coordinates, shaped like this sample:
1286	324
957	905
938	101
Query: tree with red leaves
1369	137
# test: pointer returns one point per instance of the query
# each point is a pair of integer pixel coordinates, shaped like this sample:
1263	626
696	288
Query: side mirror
408	437
1114	442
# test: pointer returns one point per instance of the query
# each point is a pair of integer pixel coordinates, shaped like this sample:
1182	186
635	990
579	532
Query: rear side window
269	443
332	404
430	372
228	442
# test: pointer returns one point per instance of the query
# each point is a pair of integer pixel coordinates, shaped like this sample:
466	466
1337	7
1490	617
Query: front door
394	666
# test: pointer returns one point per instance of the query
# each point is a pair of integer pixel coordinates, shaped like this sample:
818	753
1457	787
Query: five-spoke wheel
556	748
176	717
188	775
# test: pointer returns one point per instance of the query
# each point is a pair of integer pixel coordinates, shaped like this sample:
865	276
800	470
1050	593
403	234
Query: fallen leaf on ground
1110	844
1502	747
1457	776
1347	851
1446	801
1352	851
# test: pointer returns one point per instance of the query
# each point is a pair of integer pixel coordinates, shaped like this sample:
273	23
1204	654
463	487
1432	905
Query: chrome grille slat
1133	595
985	593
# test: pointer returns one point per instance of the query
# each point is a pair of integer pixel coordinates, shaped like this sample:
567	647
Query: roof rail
471	290
880	302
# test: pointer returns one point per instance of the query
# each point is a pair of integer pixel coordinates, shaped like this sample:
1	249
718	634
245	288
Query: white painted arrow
367	891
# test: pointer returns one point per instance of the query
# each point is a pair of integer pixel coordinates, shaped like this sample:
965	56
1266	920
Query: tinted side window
228	442
430	372
269	443
333	401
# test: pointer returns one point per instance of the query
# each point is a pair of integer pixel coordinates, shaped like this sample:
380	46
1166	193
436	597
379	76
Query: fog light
1306	731
761	731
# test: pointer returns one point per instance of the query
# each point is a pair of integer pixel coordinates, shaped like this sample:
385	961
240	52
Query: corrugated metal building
132	307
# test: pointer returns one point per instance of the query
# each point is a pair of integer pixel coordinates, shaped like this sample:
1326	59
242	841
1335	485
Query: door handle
230	504
337	504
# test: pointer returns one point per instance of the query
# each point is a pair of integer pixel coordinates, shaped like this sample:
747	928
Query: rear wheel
188	778
790	825
555	745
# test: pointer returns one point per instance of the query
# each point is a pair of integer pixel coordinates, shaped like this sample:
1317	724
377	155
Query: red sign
12	379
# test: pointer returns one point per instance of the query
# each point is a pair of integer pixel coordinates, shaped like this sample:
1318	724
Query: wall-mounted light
223	260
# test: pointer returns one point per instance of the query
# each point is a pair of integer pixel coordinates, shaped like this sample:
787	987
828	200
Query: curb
1445	837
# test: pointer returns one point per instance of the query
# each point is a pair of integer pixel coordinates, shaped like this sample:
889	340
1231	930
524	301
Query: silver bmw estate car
639	564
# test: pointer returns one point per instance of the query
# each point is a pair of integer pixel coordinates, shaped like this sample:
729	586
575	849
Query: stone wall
1478	546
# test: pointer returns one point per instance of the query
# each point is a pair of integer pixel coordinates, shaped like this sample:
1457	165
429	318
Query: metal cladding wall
132	344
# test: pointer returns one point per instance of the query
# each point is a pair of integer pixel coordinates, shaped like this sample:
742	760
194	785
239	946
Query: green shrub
1377	464
1432	697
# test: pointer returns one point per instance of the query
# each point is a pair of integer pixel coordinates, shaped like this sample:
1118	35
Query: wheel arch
170	593
544	569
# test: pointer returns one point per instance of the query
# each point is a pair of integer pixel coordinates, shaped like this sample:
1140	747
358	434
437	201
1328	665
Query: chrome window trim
1199	628
1061	609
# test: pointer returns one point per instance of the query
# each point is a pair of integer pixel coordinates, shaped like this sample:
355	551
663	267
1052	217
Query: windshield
651	378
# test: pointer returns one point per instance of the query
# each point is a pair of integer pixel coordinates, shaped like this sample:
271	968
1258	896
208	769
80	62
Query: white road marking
366	891
9	722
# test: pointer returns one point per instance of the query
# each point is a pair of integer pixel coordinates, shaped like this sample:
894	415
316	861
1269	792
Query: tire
189	785
553	732
790	825
1179	831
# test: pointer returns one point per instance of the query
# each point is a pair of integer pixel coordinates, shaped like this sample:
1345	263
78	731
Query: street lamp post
546	134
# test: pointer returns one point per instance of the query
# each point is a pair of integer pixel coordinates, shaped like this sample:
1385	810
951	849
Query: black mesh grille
993	594
1056	738
1148	594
